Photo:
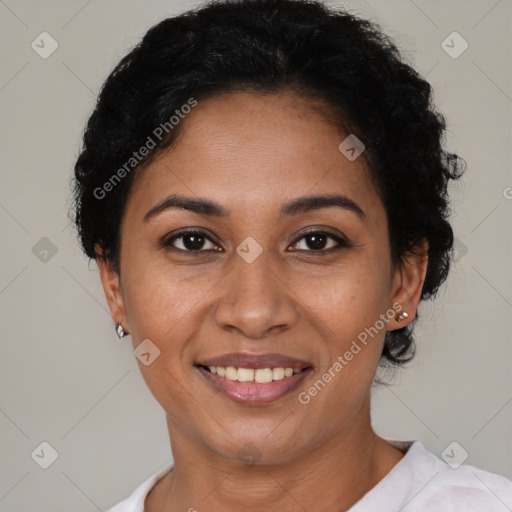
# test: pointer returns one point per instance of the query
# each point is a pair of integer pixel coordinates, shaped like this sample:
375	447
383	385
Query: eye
197	240
192	240
319	241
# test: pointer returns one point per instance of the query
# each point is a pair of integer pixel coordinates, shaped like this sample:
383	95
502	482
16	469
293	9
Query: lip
253	393
247	360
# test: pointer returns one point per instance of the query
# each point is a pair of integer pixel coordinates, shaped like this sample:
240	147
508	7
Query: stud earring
402	316
121	333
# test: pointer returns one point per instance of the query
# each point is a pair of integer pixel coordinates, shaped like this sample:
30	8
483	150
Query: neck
331	478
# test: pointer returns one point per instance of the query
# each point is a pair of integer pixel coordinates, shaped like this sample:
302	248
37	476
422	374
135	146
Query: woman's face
253	290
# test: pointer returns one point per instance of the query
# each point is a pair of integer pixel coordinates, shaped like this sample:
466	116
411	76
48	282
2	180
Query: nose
255	301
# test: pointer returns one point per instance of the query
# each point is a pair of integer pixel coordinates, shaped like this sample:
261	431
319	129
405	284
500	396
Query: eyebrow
299	205
202	206
309	203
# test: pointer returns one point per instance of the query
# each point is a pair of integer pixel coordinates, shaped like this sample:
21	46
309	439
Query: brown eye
191	241
319	241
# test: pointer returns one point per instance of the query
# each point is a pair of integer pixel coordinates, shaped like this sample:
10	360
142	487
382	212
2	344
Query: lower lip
253	393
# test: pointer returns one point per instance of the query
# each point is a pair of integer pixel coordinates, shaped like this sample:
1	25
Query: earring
402	316
121	333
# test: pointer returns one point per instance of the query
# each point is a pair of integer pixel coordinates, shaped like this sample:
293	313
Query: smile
259	375
254	379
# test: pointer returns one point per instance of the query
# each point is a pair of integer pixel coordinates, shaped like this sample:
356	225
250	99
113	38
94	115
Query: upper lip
244	360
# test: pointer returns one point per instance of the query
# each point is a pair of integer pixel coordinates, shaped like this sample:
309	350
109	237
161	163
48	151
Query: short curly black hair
271	46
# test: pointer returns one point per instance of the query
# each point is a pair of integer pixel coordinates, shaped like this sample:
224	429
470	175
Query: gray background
67	380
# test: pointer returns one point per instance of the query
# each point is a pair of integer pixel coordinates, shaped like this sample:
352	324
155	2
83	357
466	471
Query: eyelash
341	242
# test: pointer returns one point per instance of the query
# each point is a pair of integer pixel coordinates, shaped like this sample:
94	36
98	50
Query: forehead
241	146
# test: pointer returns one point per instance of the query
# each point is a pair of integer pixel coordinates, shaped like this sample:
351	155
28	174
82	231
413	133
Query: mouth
254	379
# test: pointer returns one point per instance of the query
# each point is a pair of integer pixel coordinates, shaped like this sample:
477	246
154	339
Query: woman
263	186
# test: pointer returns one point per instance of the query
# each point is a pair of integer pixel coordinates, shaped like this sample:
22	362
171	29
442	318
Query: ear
111	281
408	283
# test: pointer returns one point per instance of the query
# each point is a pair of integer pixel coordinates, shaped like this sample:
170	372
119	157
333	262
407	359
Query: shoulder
135	502
439	487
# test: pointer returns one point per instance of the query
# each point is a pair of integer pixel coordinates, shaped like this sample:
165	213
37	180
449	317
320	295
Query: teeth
259	375
262	375
231	373
278	373
245	374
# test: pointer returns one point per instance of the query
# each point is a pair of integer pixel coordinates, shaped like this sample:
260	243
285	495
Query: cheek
169	310
158	298
350	297
163	309
166	384
352	335
346	309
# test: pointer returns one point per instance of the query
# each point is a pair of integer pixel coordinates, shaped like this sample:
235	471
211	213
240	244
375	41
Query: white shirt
420	482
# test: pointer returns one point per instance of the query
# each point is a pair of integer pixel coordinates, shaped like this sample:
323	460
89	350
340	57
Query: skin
251	153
